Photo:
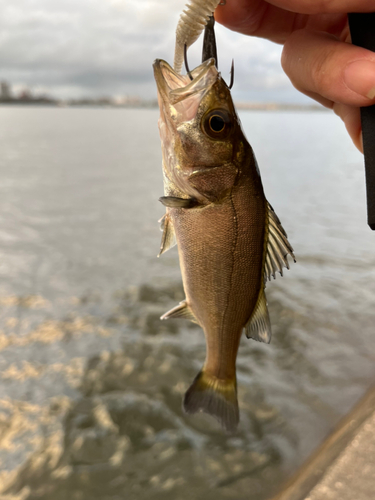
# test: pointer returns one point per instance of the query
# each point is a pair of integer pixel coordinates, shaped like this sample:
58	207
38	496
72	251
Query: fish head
198	124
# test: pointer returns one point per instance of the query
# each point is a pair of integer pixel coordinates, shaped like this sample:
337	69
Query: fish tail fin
217	397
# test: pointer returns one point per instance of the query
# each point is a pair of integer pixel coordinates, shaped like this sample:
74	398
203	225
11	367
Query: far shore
103	103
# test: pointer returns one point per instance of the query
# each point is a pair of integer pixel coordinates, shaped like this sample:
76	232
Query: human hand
317	55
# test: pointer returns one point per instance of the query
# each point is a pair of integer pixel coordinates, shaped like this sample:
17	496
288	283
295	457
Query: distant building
5	91
26	95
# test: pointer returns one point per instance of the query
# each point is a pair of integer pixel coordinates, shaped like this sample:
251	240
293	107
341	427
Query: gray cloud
106	47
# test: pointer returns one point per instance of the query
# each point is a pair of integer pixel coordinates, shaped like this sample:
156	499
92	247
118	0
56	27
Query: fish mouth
174	88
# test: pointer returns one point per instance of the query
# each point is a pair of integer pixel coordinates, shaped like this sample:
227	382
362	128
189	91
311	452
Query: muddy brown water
91	381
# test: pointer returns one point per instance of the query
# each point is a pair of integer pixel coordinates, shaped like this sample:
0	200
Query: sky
76	48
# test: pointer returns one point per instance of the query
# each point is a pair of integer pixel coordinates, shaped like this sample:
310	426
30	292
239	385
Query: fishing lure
190	25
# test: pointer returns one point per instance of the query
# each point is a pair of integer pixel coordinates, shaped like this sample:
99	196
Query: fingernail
359	76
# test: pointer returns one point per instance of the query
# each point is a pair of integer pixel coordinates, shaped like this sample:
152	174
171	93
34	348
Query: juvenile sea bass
229	238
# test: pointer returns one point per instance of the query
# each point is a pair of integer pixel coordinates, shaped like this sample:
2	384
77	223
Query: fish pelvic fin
217	397
259	325
168	240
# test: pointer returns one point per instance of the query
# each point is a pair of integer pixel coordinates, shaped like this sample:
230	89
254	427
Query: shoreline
242	106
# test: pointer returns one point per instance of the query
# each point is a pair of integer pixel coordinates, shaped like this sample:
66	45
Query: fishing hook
231	75
186	62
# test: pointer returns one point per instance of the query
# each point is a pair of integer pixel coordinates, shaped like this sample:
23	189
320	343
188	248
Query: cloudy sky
72	48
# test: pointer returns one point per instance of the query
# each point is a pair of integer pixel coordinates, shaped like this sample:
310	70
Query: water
91	381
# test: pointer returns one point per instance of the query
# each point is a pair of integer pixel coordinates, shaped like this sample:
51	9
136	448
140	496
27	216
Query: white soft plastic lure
190	25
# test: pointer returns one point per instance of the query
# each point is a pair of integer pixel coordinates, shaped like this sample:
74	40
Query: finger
259	18
352	119
324	6
256	17
340	72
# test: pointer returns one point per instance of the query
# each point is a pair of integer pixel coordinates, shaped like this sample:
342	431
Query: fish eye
217	124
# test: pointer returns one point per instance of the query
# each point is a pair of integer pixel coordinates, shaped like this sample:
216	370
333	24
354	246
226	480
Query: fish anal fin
278	246
174	202
259	325
214	396
181	311
168	239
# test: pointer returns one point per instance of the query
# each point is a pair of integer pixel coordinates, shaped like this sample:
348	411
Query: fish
229	239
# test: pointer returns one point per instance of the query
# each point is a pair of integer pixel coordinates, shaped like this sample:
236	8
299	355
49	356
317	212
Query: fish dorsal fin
278	247
168	240
181	311
259	325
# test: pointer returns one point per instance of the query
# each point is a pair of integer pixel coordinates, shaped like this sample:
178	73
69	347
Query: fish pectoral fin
174	202
278	247
259	325
181	311
168	240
